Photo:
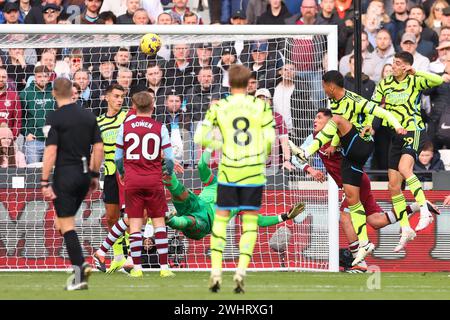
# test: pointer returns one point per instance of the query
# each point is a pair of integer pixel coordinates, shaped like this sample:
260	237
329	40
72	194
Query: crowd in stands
186	78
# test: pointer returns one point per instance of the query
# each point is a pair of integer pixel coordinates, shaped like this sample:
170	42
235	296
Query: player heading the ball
247	128
138	160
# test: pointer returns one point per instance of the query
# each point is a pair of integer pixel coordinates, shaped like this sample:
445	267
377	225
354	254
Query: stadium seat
445	157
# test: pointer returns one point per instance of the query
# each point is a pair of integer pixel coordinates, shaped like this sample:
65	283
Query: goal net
189	73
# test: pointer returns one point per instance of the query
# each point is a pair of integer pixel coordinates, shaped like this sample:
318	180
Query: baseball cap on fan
10	6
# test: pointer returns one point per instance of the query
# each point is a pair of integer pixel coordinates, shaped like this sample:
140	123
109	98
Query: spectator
179	72
386	71
424	47
91	13
265	69
398	17
125	78
308	14
10	157
48	59
122	59
154	9
10	13
35	15
444	35
418	12
127	18
344	62
276	13
282	98
446	17
37	102
24	8
252	85
10	107
214	11
367	85
155	82
238	18
199	97
228	57
434	20
104	77
374	20
140	17
107	17
190	18
440	97
76	93
76	62
179	9
438	66
429	161
281	134
179	125
118	7
18	69
307	54
255	9
409	44
203	58
165	19
90	95
230	6
51	13
383	53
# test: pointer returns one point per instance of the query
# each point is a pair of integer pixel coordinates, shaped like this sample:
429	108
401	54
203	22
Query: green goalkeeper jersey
247	127
403	98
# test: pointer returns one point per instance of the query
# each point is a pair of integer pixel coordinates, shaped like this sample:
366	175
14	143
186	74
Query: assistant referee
71	131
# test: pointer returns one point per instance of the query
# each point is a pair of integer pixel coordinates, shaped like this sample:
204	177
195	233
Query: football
150	44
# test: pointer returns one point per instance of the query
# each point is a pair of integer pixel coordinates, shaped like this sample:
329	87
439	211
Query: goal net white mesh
188	74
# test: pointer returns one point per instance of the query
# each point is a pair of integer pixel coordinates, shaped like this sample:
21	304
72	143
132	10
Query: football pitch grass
258	285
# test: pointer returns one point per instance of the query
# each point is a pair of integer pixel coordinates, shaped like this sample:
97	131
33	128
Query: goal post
28	239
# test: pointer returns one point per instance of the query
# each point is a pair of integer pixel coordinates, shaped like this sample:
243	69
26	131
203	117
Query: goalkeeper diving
193	215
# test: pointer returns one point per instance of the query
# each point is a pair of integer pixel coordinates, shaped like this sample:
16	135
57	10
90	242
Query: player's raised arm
268	128
372	109
204	130
167	149
427	80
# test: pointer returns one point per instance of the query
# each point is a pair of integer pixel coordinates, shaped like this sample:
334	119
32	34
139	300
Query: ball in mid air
150	44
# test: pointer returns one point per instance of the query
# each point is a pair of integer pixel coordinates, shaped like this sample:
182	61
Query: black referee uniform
73	129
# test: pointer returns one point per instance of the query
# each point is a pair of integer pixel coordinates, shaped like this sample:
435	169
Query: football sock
205	173
218	241
113	236
136	249
416	189
180	223
392	217
74	248
266	221
399	204
248	240
324	136
358	216
162	246
354	247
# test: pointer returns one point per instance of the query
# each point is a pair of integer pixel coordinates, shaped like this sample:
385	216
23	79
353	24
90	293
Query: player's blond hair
62	88
142	101
239	76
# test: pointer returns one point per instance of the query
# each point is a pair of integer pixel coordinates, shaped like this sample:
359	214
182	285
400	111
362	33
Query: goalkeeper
195	214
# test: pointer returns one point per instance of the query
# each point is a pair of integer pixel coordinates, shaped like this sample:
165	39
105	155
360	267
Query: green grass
261	285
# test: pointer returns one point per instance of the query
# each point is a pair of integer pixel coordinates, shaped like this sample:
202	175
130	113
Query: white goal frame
215	30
